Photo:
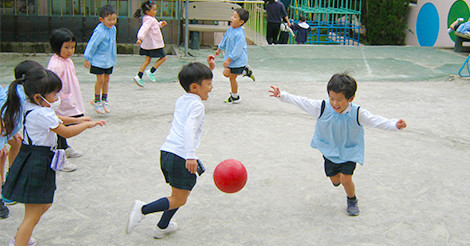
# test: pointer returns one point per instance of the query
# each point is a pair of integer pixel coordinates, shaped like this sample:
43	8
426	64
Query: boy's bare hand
401	124
217	52
191	165
211	61
275	92
164	23
87	64
139	41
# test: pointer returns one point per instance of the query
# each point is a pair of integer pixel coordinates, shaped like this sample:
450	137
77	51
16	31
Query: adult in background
276	12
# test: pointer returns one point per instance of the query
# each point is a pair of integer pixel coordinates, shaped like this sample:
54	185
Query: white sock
234	95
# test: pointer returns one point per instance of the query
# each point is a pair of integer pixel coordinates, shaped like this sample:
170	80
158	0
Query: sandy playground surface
412	189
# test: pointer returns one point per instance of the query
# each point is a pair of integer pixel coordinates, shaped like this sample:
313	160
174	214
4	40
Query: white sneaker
105	106
151	76
135	215
138	81
31	242
161	233
69	167
71	153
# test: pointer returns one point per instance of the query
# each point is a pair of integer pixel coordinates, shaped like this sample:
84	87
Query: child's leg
233	83
3	159
158	63
105	87
15	144
348	185
144	65
336	180
98	86
33	213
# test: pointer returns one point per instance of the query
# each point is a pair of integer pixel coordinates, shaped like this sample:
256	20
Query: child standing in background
150	40
31	179
100	56
236	56
303	30
178	159
339	131
63	44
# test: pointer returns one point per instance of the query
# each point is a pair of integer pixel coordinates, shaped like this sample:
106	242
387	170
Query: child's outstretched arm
310	106
275	92
73	120
70	131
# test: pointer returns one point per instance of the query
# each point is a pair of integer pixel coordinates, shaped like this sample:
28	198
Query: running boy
100	56
236	56
339	131
178	159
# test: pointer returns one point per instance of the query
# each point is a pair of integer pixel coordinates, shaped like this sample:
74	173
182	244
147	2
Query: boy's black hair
244	14
37	80
342	82
59	37
144	7
302	18
107	10
194	72
23	67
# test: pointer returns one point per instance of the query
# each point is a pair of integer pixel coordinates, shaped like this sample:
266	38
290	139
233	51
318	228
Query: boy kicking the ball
178	159
339	131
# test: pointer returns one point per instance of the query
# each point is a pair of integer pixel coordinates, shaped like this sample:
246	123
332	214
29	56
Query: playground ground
412	188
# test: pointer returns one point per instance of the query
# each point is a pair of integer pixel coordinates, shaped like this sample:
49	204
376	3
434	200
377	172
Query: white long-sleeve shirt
313	107
186	128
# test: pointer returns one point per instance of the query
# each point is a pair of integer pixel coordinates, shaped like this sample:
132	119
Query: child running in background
100	56
150	39
15	140
460	26
303	30
236	56
31	180
339	131
178	159
63	44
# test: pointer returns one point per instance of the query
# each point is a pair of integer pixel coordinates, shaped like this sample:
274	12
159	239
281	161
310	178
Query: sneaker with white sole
248	72
68	167
97	106
161	233
151	76
353	209
135	215
105	106
71	153
138	81
233	100
31	242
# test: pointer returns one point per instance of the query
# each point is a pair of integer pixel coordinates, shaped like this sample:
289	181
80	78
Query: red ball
230	176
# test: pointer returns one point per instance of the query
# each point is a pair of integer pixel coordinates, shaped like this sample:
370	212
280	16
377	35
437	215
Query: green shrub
385	21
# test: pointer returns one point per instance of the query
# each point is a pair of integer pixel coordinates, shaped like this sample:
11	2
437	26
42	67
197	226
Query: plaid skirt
30	179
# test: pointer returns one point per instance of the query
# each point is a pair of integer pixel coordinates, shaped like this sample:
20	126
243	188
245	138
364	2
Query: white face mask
54	105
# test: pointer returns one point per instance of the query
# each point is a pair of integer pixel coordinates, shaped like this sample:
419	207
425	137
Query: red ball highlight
230	176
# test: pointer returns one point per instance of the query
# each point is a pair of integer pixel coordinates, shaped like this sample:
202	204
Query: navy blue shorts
236	70
175	171
332	169
156	53
99	71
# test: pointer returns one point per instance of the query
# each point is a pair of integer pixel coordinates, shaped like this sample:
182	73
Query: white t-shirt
39	123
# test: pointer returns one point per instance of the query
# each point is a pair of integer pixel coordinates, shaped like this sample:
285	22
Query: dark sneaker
249	72
232	99
4	212
353	210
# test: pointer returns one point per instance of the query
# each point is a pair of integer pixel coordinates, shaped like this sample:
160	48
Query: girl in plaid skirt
31	180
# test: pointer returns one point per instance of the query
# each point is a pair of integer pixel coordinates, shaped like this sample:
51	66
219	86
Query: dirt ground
412	188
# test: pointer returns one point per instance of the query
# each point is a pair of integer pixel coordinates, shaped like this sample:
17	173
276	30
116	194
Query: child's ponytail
11	110
146	6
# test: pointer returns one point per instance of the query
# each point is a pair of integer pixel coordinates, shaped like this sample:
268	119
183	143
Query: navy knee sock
159	205
152	70
166	217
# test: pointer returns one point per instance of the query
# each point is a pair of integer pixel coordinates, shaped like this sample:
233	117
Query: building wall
429	20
